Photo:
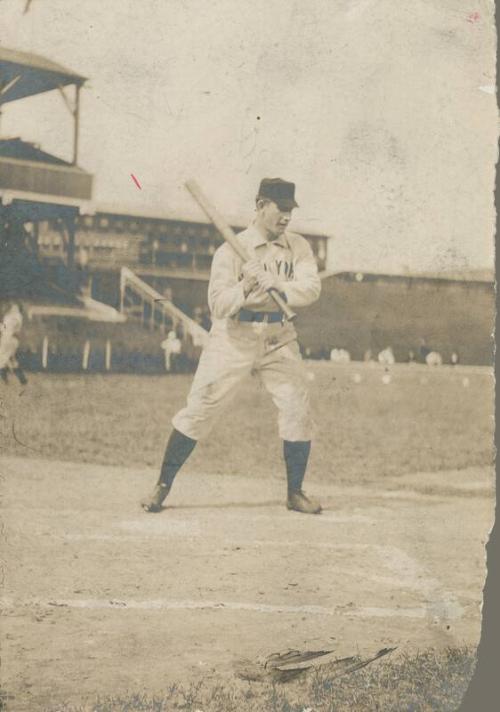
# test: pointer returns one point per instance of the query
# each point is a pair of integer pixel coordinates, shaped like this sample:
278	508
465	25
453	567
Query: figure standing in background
386	356
9	344
172	348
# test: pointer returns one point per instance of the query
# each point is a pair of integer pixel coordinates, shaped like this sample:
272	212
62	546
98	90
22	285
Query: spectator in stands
198	315
168	294
368	356
172	348
190	349
84	276
201	316
194	349
411	356
155	246
454	359
434	358
198	343
386	356
340	356
206	321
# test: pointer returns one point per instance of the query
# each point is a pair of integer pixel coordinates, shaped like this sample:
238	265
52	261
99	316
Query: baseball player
9	343
248	334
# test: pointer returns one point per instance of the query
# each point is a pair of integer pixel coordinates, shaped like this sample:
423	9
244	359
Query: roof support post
70	230
74	109
76	124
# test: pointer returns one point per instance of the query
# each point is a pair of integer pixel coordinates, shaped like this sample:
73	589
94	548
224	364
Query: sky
380	111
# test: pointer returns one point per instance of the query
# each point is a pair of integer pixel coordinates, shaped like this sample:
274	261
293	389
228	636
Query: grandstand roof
26	74
186	217
465	275
26	151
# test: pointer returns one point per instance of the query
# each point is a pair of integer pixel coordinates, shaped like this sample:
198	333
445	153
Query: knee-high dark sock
296	457
21	376
179	448
3	375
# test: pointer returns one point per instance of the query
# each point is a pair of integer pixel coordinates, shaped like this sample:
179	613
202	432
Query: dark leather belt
268	317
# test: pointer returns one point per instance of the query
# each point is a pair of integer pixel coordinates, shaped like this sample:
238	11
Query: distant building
451	314
36	186
167	251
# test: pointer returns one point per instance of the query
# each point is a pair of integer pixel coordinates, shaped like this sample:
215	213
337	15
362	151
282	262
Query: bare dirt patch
101	598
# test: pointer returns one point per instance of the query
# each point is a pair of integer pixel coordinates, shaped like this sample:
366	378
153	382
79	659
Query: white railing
139	300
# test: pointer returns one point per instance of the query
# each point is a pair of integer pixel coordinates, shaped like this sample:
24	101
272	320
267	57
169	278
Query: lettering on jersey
281	268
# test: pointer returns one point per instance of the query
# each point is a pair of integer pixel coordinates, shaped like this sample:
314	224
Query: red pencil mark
136	181
473	17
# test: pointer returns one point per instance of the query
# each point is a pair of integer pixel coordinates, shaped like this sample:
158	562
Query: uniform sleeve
225	291
305	287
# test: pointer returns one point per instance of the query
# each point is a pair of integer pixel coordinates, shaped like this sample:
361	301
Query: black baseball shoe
299	502
154	502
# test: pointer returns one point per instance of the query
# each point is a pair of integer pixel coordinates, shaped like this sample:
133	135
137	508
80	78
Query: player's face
274	220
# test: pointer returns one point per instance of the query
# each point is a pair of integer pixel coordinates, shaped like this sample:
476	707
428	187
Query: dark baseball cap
279	191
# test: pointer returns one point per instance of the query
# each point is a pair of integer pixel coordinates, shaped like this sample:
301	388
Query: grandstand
36	186
164	250
357	311
66	328
367	312
101	286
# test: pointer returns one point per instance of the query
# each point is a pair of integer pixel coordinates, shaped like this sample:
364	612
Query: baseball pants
234	351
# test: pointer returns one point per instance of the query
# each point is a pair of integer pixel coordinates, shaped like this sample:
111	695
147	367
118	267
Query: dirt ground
101	598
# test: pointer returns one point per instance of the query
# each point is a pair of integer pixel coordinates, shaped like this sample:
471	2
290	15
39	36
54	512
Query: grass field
423	420
107	609
434	680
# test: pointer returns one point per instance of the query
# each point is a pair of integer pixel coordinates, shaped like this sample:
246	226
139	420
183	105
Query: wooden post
108	355
76	124
152	314
45	352
36	236
122	291
86	355
70	228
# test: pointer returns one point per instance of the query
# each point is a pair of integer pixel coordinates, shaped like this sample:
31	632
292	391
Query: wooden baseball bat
228	234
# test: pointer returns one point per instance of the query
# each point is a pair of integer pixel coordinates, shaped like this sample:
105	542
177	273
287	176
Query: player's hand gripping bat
228	235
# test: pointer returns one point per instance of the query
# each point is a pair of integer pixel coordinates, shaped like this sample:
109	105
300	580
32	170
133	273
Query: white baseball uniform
8	349
11	325
12	321
245	335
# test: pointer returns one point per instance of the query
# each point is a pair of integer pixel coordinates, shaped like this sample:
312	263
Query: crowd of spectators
386	356
181	346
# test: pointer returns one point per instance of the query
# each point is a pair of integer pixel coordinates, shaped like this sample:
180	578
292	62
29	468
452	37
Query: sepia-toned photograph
247	309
